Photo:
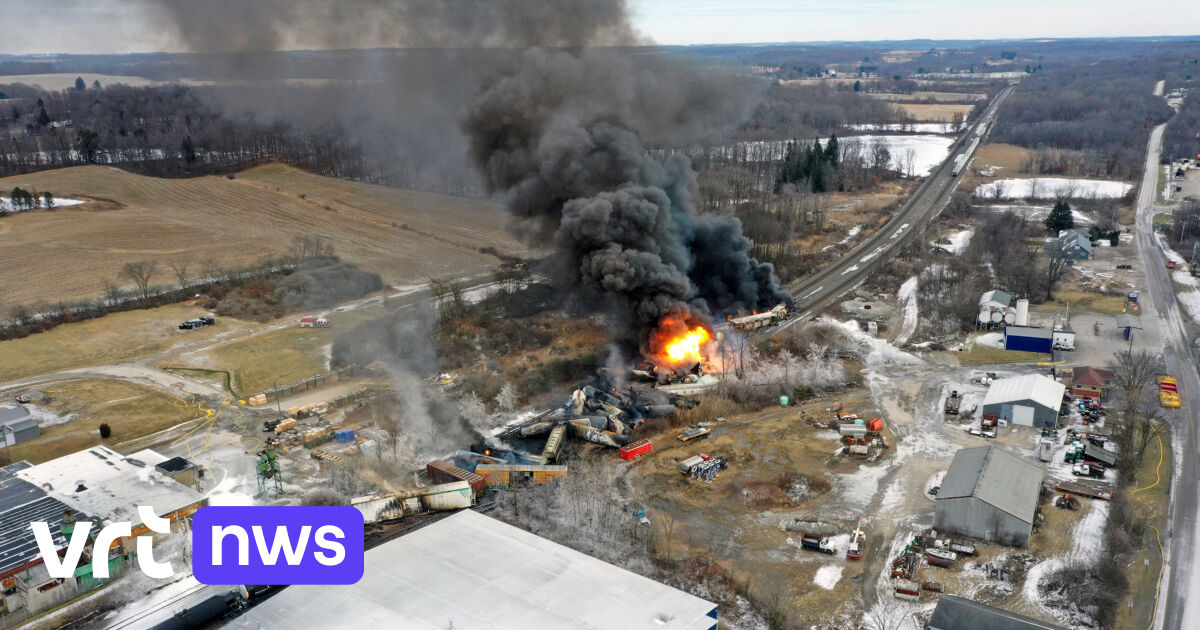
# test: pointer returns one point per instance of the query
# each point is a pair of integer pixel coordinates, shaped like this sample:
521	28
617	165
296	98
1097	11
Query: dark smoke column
554	137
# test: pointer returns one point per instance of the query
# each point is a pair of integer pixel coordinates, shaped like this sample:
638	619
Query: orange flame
688	346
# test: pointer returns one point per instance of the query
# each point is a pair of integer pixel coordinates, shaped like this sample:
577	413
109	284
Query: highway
1180	605
826	286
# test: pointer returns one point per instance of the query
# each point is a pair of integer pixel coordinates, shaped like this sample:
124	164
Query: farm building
1028	339
1031	400
1074	244
957	613
990	494
1090	382
17	425
430	579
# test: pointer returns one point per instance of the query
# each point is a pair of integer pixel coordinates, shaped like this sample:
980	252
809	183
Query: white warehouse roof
468	572
1041	389
103	483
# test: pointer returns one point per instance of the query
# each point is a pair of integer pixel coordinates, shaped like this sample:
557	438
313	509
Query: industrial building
989	494
1074	245
470	571
1028	339
17	425
957	613
93	484
1031	400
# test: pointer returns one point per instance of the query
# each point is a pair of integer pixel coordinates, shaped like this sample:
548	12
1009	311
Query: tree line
1089	120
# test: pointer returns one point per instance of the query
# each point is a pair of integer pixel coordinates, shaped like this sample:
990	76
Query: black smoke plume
558	103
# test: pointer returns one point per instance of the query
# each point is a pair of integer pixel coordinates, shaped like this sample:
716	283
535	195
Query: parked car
199	322
1124	266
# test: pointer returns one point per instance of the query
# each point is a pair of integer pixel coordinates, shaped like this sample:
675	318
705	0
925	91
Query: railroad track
818	291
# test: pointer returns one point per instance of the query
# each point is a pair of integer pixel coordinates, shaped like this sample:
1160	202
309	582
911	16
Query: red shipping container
876	425
444	472
640	447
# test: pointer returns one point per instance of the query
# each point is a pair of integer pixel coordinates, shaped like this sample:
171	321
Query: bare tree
180	267
1056	266
312	247
1139	421
140	273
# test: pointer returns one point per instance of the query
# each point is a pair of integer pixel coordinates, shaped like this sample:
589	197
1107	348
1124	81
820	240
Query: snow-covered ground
959	241
925	150
990	340
921	127
828	576
854	231
1053	187
6	205
908	293
1035	212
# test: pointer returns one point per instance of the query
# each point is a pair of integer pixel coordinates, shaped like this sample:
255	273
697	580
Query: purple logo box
277	545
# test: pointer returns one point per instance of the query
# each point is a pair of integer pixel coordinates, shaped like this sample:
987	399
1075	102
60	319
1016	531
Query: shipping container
445	472
345	435
640	447
503	476
876	425
853	430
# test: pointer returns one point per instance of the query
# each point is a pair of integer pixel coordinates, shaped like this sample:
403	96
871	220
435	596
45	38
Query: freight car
445	472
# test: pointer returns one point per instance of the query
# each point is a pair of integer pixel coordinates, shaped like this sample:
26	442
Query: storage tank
997	317
448	496
1010	316
984	317
1022	312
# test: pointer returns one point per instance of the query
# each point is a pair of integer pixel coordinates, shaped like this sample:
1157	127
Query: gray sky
111	26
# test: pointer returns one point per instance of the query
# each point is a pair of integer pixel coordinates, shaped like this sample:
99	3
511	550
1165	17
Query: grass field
273	358
981	355
940	97
1151	499
116	337
130	410
935	112
405	236
1083	301
1006	158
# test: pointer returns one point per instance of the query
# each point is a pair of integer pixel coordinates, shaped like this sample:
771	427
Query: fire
688	346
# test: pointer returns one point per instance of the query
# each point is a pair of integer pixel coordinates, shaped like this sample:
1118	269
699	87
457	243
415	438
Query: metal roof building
990	494
17	425
1029	400
956	613
105	483
470	571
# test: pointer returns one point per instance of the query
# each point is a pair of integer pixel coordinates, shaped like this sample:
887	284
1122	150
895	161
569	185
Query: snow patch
1053	187
990	340
828	576
854	231
908	293
6	205
959	241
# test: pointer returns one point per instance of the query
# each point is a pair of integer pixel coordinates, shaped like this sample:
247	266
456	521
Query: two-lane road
835	280
1179	607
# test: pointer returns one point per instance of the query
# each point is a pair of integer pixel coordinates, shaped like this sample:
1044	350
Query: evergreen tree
79	84
831	152
1060	217
43	118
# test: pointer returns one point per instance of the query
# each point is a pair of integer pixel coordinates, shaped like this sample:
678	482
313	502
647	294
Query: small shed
995	299
1028	339
17	425
1029	400
990	494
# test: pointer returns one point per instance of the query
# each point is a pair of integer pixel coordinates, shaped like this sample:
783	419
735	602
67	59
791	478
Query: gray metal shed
1028	400
990	494
16	426
956	613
